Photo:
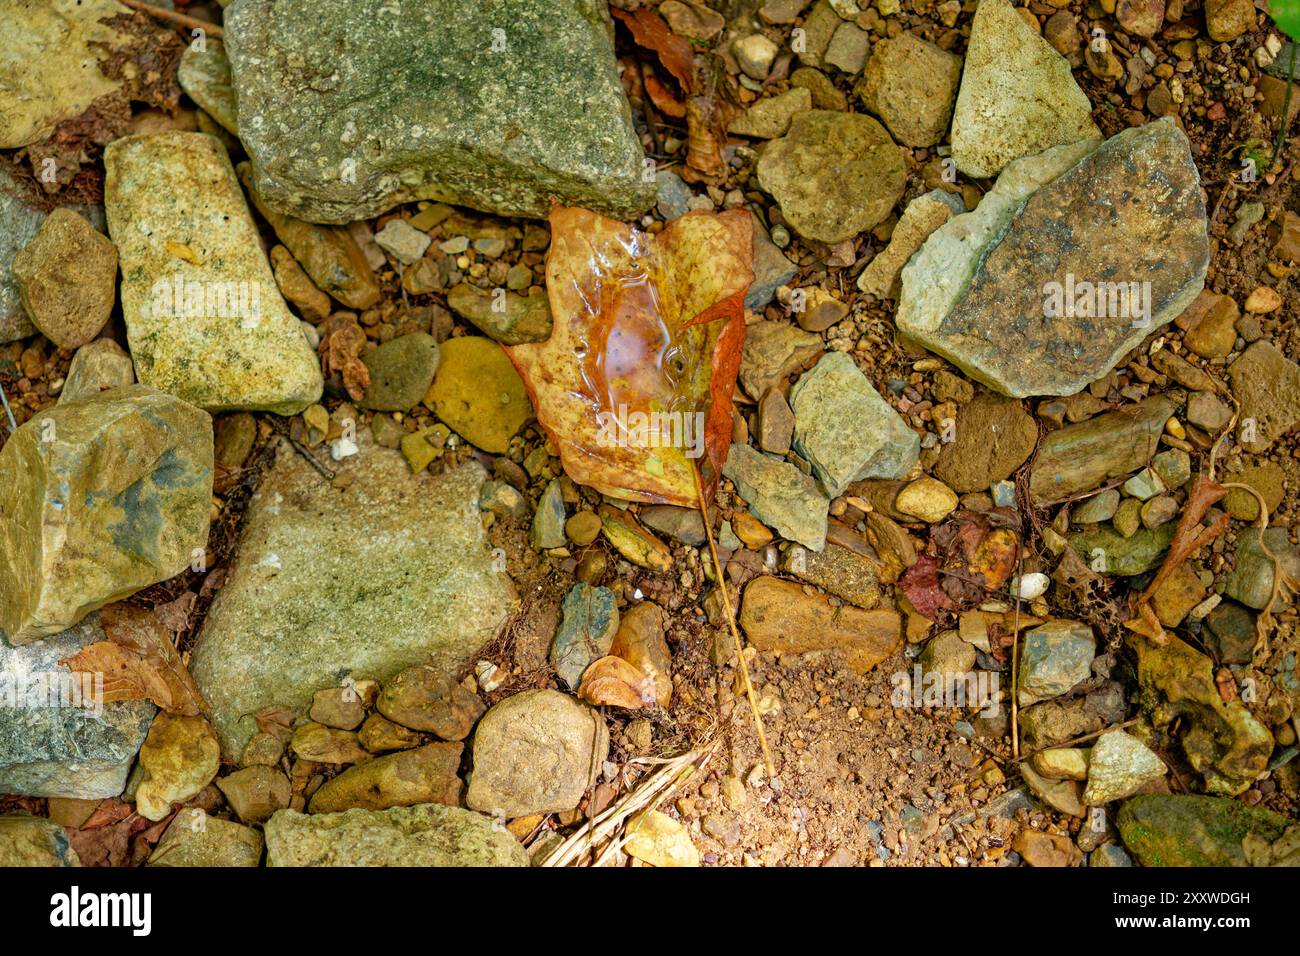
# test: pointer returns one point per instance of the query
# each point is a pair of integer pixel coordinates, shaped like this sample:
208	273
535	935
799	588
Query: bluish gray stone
1056	656
586	631
779	495
49	746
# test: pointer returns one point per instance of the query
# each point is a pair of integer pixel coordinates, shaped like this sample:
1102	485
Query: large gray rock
779	495
20	220
348	109
1074	257
1017	95
845	430
425	835
390	571
99	498
57	738
204	316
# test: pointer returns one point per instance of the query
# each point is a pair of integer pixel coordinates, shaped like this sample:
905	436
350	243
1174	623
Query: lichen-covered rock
1039	269
204	317
1191	830
425	835
1017	95
65	279
1224	741
845	430
97	367
388	572
834	174
98	499
536	752
56	740
348	110
34	841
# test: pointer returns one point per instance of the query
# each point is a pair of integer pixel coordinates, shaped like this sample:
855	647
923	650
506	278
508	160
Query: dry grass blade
604	833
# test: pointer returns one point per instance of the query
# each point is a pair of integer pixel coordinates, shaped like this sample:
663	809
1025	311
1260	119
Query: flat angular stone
1057	655
845	430
207	841
778	615
389	572
779	495
425	835
98	499
1080	457
349	109
227	341
1017	94
65	279
1267	384
49	748
1074	257
1119	766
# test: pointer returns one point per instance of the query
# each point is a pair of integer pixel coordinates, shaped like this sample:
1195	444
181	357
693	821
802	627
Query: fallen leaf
183	252
645	349
651	33
614	682
663	98
706	124
139	662
1189	537
340	346
921	585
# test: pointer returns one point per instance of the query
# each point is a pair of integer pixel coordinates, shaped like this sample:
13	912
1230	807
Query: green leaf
1286	13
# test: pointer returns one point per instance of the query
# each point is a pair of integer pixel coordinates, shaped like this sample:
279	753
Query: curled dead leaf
612	681
651	33
138	662
634	385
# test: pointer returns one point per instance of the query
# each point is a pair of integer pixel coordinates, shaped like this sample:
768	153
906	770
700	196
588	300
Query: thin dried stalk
731	623
649	793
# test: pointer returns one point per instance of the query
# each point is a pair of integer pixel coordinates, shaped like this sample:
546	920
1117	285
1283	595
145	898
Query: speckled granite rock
99	498
49	748
390	572
1017	95
983	291
425	835
1190	830
349	109
180	221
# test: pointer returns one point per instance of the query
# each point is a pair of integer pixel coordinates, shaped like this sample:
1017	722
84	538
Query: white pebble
1030	586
